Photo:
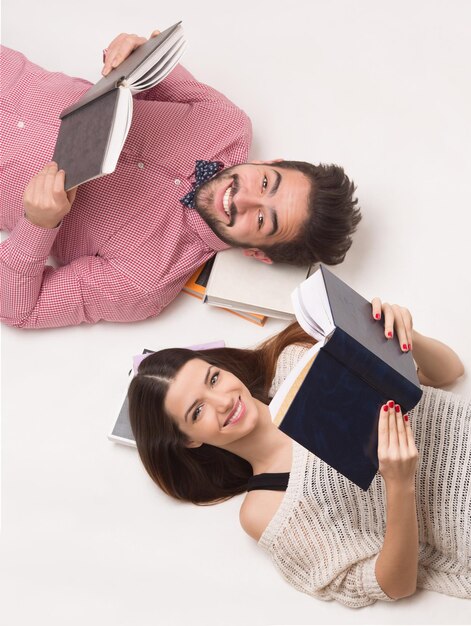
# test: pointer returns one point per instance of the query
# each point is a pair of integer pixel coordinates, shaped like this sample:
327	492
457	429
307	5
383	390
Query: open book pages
312	308
290	386
119	130
144	78
146	66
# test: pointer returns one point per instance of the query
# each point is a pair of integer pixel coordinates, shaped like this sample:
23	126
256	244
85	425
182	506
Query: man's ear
257	254
193	444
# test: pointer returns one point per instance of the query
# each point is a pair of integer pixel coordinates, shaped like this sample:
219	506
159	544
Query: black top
271	482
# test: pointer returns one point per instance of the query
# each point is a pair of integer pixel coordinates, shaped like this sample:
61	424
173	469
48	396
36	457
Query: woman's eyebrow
206	378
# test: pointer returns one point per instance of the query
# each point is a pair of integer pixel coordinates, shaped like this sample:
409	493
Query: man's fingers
154	33
59	182
119	49
71	194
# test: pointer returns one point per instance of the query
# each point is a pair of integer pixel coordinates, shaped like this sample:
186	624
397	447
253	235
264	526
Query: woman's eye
260	220
265	182
196	414
214	379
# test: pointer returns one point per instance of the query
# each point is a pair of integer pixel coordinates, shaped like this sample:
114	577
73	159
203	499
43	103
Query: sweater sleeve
355	586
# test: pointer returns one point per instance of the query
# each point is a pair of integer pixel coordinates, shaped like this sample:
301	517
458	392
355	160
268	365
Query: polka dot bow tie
204	171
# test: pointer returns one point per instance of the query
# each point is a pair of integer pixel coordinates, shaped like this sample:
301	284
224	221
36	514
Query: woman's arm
396	565
438	365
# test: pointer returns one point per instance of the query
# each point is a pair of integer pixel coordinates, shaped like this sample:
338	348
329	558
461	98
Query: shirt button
140	165
21	124
177	181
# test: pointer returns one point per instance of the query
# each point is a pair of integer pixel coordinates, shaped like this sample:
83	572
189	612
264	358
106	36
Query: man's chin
217	227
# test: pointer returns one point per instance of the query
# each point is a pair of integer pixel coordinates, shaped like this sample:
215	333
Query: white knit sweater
327	534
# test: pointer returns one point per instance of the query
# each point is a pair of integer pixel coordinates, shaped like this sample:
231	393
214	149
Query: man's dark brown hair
333	217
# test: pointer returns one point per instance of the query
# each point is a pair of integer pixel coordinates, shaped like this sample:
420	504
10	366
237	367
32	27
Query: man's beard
204	199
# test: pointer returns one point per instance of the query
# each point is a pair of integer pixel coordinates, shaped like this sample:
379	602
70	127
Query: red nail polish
389	334
404	346
391	404
409	346
385	407
406	418
397	408
377	316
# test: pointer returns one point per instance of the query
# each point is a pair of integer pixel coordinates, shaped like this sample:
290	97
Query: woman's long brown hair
207	474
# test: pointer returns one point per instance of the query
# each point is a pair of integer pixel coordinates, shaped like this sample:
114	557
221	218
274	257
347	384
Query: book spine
374	371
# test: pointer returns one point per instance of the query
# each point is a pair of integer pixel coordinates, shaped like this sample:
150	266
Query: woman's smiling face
210	405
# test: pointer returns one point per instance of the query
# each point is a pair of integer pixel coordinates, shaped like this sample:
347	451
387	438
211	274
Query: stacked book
246	287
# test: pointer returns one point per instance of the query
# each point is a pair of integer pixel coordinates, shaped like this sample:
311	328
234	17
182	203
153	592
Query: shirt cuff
33	241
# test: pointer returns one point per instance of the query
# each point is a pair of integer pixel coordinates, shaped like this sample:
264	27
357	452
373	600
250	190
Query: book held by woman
331	401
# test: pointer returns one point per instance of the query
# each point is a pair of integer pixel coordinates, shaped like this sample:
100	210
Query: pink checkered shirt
128	245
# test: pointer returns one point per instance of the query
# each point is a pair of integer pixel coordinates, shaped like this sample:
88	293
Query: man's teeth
236	414
225	201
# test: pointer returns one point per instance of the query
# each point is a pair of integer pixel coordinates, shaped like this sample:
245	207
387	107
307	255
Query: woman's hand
397	453
396	565
397	319
120	48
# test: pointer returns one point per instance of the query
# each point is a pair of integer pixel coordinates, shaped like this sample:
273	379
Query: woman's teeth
236	414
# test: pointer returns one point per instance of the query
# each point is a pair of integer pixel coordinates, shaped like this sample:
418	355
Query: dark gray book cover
83	139
87	126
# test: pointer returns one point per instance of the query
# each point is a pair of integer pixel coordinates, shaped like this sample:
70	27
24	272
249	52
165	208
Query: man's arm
89	289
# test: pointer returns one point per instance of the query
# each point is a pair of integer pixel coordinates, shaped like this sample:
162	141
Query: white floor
382	88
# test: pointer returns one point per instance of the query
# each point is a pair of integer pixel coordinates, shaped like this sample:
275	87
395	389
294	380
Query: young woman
204	434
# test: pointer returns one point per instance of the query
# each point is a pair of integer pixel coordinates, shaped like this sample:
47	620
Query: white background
381	88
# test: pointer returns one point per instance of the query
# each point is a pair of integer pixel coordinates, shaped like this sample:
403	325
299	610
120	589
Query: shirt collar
199	226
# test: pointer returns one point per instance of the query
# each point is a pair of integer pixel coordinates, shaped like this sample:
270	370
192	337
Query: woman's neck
266	448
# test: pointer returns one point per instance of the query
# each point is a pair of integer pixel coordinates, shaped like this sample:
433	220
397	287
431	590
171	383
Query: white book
245	284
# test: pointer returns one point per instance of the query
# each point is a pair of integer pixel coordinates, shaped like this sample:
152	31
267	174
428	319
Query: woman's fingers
397	321
383	429
389	321
397	453
376	308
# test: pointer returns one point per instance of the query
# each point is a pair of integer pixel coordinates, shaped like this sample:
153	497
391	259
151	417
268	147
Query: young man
134	237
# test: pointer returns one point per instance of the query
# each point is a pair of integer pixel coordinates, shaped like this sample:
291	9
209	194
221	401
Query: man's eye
260	220
214	379
196	413
265	182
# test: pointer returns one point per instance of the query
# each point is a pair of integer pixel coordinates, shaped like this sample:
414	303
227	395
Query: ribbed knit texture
327	533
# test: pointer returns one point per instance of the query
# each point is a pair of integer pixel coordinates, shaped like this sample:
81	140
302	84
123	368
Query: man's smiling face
255	204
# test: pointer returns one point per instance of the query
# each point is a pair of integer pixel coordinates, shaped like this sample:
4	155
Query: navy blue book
332	407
